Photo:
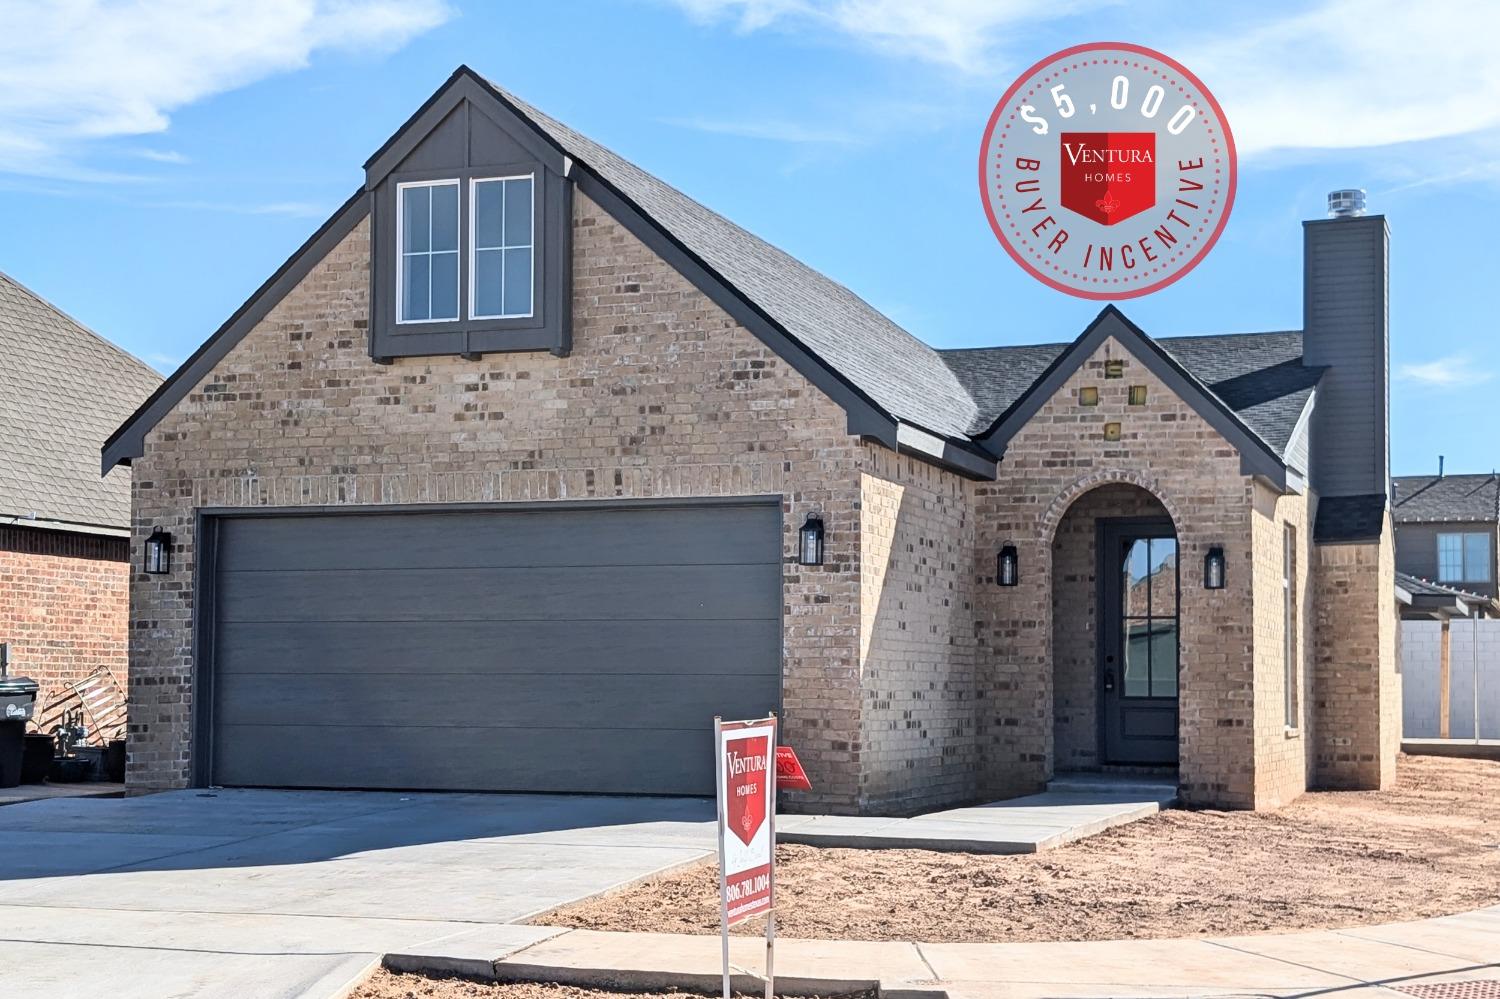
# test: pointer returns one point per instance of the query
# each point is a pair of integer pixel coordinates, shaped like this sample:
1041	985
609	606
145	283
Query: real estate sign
747	804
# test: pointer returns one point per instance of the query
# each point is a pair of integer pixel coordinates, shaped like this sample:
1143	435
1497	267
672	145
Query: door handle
1109	679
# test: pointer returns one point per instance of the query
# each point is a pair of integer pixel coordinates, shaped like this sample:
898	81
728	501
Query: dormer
471	215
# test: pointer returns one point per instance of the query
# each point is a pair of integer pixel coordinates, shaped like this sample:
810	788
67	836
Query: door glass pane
1137	580
1163	577
414	287
445	217
1164	657
487	282
1137	652
445	286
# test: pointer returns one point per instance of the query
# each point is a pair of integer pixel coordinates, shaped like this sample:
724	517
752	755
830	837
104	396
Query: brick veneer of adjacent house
1357	681
663	395
63	605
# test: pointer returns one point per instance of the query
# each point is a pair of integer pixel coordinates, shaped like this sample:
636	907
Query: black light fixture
1008	566
1213	569
810	541
159	552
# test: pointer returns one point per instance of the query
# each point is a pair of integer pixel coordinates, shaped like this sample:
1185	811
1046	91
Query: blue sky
158	160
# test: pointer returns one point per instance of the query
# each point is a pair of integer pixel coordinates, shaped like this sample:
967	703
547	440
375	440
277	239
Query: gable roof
63	388
1420	498
1429	598
985	372
1349	519
1258	376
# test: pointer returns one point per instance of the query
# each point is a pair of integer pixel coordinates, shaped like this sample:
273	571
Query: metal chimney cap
1347	203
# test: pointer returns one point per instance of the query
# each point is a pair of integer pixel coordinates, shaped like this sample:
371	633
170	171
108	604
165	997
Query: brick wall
663	395
1356	682
1166	449
64	605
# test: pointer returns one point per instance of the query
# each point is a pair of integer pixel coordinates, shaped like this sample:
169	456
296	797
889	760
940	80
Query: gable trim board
1257	458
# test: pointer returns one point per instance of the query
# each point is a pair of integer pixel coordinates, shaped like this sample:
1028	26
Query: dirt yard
1430	846
391	985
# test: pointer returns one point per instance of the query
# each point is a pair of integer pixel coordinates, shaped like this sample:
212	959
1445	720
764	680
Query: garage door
576	649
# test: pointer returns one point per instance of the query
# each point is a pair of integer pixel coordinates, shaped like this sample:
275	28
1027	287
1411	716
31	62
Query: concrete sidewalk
1362	962
1073	806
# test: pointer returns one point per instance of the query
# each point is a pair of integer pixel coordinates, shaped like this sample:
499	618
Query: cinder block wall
64	605
1168	450
663	395
1356	683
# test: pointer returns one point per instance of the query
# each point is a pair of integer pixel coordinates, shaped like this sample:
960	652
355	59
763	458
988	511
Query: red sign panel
747	767
1108	177
789	773
748	777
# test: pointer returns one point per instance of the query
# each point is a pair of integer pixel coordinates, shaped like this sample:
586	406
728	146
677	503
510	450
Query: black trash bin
17	702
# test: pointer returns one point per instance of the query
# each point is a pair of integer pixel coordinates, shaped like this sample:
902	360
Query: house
526	465
64	531
1446	529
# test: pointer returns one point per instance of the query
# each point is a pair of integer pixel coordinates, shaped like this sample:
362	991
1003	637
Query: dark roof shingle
63	389
1419	498
1349	518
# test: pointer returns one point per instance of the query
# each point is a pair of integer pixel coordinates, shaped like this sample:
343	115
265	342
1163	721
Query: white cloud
770	130
1444	372
161	155
959	34
72	71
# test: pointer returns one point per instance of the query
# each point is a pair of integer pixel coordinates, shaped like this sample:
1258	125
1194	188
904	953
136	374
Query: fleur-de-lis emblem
1107	204
746	822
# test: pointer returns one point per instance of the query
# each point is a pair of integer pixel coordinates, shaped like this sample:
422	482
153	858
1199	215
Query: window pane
1137	648
518	212
414	218
1450	558
486	280
1163	576
1137	578
445	286
414	288
1163	657
445	217
1476	558
487	202
517	282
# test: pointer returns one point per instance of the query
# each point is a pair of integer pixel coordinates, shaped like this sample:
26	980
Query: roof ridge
83	327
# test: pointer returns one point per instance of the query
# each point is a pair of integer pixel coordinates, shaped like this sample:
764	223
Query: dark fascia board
128	441
1257	458
1435	605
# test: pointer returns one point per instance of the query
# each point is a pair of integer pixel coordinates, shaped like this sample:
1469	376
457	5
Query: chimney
1346	329
1440	466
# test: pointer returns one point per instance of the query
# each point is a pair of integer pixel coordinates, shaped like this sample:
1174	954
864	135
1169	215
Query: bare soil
1429	846
393	985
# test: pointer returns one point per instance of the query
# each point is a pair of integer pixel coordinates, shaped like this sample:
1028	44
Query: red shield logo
747	785
1108	176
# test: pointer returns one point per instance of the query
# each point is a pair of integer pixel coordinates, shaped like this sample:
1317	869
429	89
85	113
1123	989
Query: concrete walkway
42	792
1364	963
1072	807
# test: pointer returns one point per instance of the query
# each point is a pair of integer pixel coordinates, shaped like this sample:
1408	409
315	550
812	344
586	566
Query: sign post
745	760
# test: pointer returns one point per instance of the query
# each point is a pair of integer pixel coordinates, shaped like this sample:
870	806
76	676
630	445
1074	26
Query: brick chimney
1346	328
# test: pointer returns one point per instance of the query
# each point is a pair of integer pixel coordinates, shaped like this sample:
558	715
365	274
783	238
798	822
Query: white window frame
1466	573
401	254
474	247
1292	702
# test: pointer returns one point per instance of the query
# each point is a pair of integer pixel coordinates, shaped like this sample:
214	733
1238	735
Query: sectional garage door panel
565	649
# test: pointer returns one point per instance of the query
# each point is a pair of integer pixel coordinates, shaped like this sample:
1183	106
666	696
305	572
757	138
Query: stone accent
1357	684
1167	450
64	605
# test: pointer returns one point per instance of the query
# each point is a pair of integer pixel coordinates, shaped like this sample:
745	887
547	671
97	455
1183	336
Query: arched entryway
1115	630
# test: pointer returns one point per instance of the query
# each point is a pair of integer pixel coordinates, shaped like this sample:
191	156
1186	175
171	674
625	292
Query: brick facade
910	680
64	605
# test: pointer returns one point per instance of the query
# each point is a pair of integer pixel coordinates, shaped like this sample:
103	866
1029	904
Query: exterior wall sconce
810	541
1213	569
159	552
1008	566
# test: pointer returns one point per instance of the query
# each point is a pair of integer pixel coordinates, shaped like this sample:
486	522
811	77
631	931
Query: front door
1138	641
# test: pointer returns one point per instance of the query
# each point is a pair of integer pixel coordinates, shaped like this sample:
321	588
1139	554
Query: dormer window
502	248
427	235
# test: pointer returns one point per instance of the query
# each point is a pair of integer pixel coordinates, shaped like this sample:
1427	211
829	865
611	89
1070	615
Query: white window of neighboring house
502	247
427	239
1463	558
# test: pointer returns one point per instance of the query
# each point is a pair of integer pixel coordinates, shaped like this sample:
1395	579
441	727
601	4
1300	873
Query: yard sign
745	758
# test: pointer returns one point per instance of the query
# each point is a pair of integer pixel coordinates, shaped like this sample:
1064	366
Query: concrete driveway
295	893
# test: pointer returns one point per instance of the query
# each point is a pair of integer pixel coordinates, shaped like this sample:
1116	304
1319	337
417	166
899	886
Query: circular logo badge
1107	170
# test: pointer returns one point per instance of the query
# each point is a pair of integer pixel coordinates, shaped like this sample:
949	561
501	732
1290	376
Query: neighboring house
525	465
1447	528
64	531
